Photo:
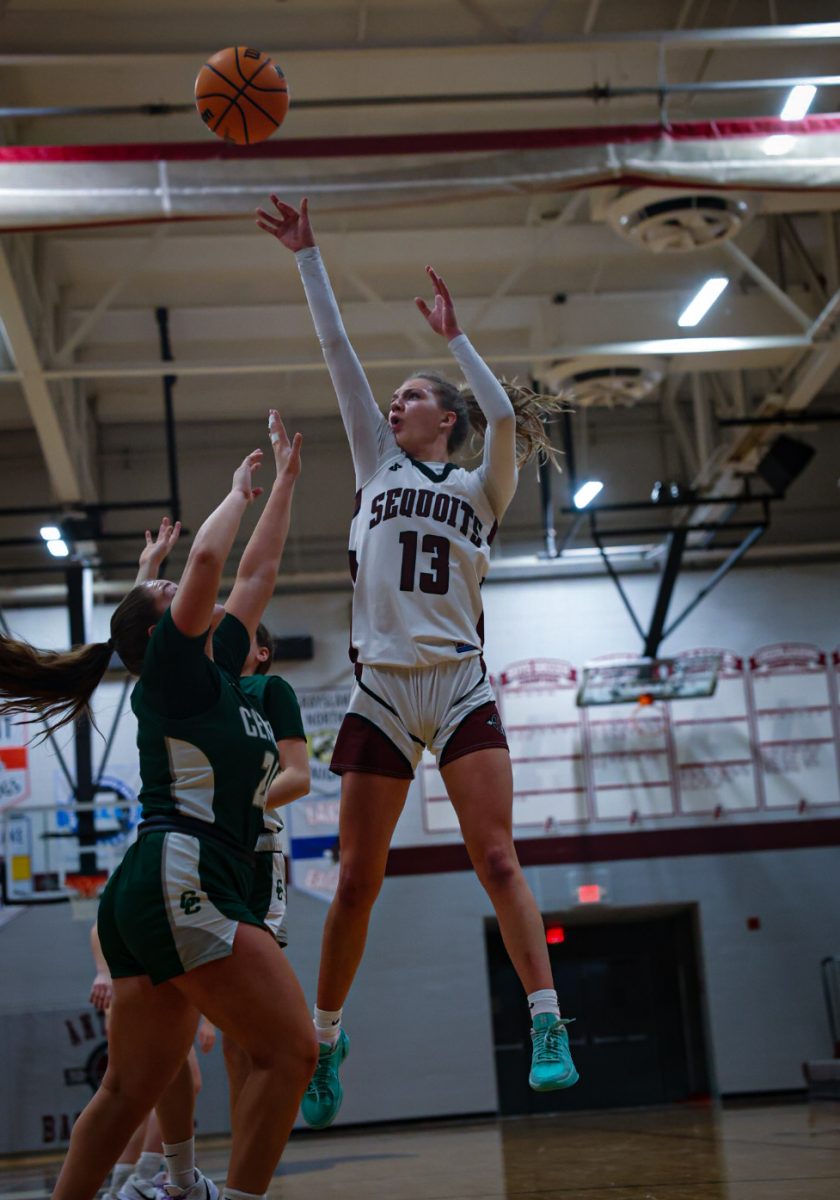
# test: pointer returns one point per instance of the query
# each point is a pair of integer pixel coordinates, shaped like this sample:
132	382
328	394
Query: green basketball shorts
173	904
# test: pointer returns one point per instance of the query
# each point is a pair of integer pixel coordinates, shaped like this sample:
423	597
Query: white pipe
517	568
668	347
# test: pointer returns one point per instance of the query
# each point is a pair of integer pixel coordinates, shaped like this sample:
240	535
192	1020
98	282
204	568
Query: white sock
543	1001
180	1163
231	1194
119	1175
327	1025
147	1165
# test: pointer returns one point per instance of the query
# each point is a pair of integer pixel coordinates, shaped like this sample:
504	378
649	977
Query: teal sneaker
322	1098
551	1059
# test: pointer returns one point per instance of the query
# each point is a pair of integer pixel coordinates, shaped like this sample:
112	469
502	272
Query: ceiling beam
487	21
747	448
736	255
143	259
58	457
83	42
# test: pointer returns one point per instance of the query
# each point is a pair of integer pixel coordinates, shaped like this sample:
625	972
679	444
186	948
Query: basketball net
84	892
645	719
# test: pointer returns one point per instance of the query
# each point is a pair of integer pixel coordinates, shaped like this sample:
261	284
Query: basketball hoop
647	717
84	892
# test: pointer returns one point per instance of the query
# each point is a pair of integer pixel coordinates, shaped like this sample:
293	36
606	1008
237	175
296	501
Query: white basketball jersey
419	551
420	538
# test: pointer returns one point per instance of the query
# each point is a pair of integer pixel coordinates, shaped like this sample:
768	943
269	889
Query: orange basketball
241	95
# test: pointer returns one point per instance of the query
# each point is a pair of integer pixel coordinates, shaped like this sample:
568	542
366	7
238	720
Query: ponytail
531	410
54	687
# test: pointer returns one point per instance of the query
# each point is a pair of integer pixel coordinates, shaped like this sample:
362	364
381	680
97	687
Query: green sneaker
322	1098
551	1060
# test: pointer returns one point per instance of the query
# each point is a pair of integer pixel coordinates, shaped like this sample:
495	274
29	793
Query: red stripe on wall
621	847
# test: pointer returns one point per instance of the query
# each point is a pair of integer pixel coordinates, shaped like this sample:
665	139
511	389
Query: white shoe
202	1189
136	1188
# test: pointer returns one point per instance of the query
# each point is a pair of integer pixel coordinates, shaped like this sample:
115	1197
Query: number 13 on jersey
435	580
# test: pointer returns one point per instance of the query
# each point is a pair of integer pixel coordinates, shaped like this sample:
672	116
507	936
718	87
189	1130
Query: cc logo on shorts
190	902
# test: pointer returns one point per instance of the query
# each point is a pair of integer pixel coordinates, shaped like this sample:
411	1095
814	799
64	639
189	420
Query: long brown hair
56	686
530	408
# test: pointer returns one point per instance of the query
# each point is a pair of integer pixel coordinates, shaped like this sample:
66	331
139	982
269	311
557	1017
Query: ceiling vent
605	383
678	222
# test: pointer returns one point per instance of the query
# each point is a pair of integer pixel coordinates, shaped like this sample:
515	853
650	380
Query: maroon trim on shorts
362	746
480	729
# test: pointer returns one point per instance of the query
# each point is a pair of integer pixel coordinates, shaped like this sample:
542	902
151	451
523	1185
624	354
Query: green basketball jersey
277	700
207	752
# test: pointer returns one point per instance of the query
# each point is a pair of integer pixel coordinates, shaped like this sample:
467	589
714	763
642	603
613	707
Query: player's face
163	592
416	416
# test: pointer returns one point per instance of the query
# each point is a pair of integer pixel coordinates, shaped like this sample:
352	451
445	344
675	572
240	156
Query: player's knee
357	890
136	1096
498	866
290	1053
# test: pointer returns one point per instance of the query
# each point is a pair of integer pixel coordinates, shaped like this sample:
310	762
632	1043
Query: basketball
241	95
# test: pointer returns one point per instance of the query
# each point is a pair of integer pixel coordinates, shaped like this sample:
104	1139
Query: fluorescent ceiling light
819	29
702	302
778	143
800	99
586	492
50	533
57	548
587	552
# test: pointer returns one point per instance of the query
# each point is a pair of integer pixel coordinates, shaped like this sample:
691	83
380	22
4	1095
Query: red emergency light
590	893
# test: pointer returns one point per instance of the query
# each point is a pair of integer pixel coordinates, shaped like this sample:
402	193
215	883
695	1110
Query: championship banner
313	821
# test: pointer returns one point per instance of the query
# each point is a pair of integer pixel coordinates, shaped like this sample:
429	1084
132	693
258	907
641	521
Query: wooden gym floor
768	1152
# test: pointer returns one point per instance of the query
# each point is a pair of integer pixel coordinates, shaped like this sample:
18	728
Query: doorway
630	979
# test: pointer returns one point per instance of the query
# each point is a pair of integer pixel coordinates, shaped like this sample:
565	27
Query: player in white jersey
419	552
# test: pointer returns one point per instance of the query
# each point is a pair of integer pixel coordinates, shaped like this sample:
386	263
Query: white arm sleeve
369	434
498	468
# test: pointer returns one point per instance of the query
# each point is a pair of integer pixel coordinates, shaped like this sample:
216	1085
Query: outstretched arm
293	779
257	573
498	468
367	429
195	599
157	550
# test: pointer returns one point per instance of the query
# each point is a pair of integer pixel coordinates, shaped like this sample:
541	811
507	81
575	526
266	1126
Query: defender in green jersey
267	900
207	758
176	930
278	702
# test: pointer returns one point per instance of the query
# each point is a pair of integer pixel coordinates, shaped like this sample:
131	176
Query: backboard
45	847
645	680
